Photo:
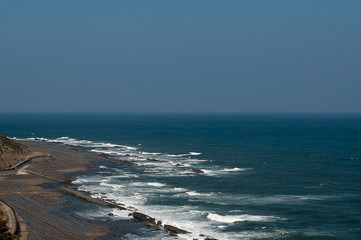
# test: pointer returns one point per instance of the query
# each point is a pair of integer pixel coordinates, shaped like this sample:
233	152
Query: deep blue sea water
264	176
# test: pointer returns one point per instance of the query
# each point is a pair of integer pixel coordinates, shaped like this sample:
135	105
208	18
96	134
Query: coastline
254	185
27	191
41	206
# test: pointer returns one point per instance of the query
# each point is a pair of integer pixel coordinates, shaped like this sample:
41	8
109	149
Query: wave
156	184
236	169
150	153
184	154
177	155
87	179
125	175
180	189
194	153
241	218
83	143
194	193
129	187
215	172
108	152
136	195
131	153
256	200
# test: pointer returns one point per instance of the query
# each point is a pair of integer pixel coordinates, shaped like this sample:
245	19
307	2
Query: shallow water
260	176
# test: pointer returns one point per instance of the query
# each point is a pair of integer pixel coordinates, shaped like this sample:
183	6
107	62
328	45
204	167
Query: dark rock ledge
138	216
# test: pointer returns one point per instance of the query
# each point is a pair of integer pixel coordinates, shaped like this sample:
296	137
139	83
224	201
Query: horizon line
167	112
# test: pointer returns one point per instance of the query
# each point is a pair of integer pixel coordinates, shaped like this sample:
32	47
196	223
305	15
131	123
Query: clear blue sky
180	56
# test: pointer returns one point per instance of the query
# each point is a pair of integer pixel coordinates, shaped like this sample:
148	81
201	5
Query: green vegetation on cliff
12	152
4	229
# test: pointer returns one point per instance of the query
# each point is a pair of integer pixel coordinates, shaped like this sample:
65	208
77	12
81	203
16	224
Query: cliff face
12	152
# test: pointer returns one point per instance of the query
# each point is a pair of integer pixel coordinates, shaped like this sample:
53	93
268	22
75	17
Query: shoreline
42	207
67	160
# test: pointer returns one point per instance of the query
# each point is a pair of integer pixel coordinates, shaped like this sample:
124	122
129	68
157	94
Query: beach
34	196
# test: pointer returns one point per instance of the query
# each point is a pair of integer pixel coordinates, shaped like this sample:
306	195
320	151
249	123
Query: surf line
138	216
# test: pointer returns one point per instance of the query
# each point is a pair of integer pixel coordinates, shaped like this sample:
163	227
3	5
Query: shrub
4	230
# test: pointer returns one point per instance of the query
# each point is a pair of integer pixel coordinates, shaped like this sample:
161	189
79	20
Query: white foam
84	143
197	160
130	148
35	139
156	184
184	155
63	138
135	195
87	179
120	214
232	211
209	172
256	200
177	155
128	175
288	199
217	172
194	153
194	193
240	218
149	153
109	152
236	169
106	145
185	217
78	181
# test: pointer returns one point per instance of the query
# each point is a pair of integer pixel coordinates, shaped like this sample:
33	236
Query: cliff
12	152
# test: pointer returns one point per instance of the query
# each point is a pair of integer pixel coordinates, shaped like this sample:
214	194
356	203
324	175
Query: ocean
228	176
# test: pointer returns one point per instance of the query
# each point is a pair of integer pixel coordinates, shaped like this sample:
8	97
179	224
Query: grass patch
8	143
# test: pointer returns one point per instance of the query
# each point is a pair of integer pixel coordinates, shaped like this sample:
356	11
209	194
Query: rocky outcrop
88	198
197	171
145	218
155	160
138	216
174	231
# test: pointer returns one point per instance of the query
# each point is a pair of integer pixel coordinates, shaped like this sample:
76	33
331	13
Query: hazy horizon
181	56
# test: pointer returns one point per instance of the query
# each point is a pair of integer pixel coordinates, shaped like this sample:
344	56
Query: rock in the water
174	230
197	170
110	214
145	218
154	160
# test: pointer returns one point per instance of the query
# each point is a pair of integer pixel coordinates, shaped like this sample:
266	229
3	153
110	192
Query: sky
180	56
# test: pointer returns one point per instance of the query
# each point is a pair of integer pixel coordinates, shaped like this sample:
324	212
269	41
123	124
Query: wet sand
29	194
